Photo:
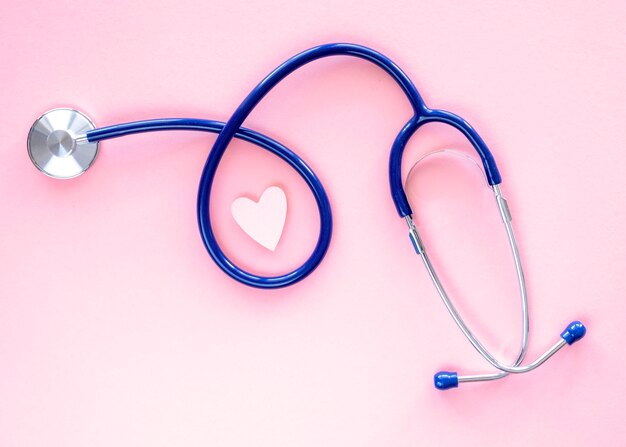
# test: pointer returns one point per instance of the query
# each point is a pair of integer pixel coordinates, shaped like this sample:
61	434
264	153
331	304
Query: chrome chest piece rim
53	147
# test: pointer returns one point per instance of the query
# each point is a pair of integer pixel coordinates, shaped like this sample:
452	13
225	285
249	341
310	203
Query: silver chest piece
54	145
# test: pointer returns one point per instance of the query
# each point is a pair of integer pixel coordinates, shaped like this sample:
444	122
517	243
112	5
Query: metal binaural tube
444	379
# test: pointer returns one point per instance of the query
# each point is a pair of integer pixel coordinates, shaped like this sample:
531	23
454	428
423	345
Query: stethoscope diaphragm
53	144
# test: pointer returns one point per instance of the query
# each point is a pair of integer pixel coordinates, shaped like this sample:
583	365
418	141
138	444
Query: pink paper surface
116	327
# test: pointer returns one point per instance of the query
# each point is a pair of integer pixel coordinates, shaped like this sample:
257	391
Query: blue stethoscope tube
232	128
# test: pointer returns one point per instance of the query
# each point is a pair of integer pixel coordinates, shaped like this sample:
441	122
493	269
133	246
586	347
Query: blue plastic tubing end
233	128
445	380
574	332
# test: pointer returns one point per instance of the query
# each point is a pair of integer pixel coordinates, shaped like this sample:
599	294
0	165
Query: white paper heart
264	220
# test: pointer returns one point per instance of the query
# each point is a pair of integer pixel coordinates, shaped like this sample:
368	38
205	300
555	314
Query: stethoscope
63	143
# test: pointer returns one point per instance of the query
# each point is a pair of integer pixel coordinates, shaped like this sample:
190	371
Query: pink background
116	328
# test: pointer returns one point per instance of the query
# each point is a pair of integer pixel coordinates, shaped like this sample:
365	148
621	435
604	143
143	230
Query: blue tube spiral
233	129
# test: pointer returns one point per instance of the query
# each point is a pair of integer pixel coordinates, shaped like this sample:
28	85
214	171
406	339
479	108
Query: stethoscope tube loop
234	123
266	143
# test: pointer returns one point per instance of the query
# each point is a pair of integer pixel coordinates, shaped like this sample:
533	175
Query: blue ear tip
574	332
445	380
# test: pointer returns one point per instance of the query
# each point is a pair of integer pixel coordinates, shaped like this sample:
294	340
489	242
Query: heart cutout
264	220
